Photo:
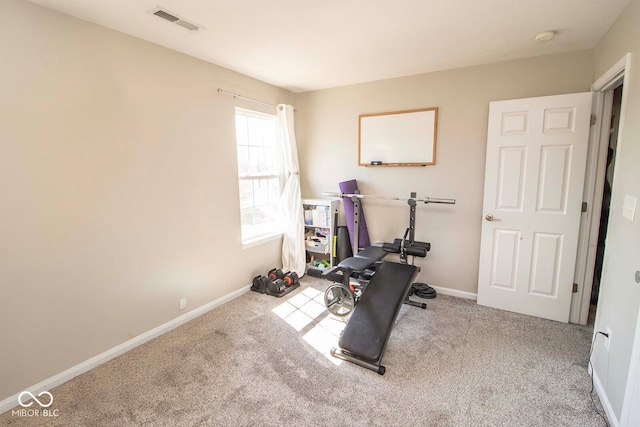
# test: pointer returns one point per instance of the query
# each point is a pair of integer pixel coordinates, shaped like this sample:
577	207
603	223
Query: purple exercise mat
349	187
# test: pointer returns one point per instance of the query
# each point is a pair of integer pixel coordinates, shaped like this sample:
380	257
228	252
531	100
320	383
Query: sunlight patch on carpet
324	336
300	310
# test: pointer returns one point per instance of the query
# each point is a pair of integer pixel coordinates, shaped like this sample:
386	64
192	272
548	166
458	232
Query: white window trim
275	234
265	238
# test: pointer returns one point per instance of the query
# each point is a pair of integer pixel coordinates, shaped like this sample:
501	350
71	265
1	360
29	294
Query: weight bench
364	259
358	263
365	337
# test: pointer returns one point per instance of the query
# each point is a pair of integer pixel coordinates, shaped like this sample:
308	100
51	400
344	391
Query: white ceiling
304	45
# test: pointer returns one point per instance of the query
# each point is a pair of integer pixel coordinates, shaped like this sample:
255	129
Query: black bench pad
356	263
369	327
364	259
373	252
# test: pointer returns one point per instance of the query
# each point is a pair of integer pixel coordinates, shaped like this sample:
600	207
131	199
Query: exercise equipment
275	273
260	284
342	295
413	197
352	274
375	306
364	338
291	278
276	283
344	244
358	227
339	299
276	287
422	290
354	209
334	247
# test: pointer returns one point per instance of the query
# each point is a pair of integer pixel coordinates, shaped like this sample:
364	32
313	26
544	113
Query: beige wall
619	293
117	177
327	132
118	186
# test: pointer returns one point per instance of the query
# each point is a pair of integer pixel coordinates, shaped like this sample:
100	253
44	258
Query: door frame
594	182
631	402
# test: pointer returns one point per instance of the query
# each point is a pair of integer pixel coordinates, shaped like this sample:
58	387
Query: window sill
260	240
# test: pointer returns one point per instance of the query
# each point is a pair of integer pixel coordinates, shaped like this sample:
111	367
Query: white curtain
293	251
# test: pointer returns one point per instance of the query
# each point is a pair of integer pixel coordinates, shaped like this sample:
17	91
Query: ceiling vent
173	18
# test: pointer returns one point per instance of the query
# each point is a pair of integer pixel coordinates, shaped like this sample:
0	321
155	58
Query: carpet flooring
264	361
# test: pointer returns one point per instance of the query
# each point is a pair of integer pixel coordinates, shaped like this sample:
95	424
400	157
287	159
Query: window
259	174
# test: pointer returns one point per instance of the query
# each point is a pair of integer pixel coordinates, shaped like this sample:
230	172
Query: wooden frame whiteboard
398	138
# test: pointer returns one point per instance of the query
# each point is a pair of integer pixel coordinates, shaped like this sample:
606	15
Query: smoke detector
175	19
545	36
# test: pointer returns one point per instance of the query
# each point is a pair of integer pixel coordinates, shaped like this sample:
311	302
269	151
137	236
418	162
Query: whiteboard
399	138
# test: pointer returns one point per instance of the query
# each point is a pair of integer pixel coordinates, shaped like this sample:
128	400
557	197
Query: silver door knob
489	217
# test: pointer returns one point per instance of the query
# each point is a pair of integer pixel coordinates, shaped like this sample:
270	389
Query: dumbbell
275	273
276	286
260	284
291	278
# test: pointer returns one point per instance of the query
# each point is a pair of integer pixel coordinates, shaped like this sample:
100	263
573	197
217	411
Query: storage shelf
319	214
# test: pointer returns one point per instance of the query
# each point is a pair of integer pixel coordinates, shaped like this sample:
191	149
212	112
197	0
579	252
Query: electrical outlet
607	340
183	303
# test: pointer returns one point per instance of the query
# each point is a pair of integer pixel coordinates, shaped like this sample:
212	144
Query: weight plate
339	300
291	279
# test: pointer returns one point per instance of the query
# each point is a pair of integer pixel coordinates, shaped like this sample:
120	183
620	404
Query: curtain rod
235	95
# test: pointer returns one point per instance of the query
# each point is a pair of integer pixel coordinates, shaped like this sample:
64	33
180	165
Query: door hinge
575	288
584	206
594	118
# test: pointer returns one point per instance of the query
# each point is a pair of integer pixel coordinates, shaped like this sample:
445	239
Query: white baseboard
54	381
613	420
455	293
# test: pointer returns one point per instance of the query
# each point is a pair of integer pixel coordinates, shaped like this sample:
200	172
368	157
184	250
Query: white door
534	176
